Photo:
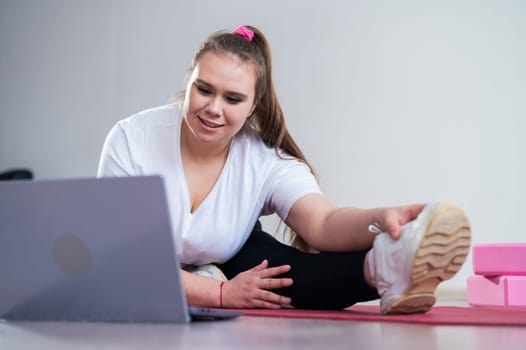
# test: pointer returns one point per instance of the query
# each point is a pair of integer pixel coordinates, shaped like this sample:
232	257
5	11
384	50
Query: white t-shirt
253	182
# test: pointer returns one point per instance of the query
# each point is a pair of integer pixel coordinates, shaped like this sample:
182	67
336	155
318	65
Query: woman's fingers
267	282
396	217
262	266
267	300
273	298
262	304
265	275
274	271
274	283
253	287
243	295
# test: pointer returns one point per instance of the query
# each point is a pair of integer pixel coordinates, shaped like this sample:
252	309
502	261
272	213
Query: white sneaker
431	249
209	270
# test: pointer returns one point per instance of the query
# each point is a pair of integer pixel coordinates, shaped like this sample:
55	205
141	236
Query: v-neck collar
180	169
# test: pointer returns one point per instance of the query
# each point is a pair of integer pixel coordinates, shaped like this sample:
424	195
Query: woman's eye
203	90
233	100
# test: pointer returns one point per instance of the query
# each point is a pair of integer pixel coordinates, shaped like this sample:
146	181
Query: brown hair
267	119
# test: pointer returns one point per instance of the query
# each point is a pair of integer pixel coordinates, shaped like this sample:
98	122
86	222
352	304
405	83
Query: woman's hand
392	219
251	289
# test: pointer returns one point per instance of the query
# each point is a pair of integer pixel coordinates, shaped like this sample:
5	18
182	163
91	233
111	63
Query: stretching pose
227	159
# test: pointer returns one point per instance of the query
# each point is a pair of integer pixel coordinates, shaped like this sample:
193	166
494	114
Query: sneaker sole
441	253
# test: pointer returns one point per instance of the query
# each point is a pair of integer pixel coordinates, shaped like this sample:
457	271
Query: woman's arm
249	289
326	227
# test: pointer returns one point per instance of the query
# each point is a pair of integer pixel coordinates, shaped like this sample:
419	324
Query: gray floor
259	333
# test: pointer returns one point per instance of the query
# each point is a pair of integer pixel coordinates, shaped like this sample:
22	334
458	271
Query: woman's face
219	98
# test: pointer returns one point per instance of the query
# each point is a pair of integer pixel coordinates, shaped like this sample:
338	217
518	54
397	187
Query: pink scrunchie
244	32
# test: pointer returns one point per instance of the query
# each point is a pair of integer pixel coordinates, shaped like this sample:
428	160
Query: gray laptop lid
90	250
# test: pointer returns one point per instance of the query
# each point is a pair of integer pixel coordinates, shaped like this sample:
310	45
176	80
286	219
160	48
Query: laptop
91	250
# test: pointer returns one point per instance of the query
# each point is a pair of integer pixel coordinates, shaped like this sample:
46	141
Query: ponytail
269	115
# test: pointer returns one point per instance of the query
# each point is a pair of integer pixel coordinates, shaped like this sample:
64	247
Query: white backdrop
392	101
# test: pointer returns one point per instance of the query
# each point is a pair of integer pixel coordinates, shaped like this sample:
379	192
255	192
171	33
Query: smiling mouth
208	123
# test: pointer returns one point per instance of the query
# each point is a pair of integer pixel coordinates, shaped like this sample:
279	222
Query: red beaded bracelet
221	294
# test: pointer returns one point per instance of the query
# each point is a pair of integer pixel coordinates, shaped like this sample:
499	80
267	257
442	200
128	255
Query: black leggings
326	280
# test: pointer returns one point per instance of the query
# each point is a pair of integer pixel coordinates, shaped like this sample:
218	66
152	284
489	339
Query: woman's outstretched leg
323	280
406	271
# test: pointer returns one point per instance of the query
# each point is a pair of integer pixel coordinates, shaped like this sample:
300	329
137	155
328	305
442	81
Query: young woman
227	158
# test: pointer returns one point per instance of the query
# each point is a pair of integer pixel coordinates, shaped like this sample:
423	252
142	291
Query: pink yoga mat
442	315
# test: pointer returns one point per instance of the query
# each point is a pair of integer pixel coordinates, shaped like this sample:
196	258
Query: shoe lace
375	228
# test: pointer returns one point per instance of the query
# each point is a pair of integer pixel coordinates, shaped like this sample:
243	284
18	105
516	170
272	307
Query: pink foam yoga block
499	259
507	291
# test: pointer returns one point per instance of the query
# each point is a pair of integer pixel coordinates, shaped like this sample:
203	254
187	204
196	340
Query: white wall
393	101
